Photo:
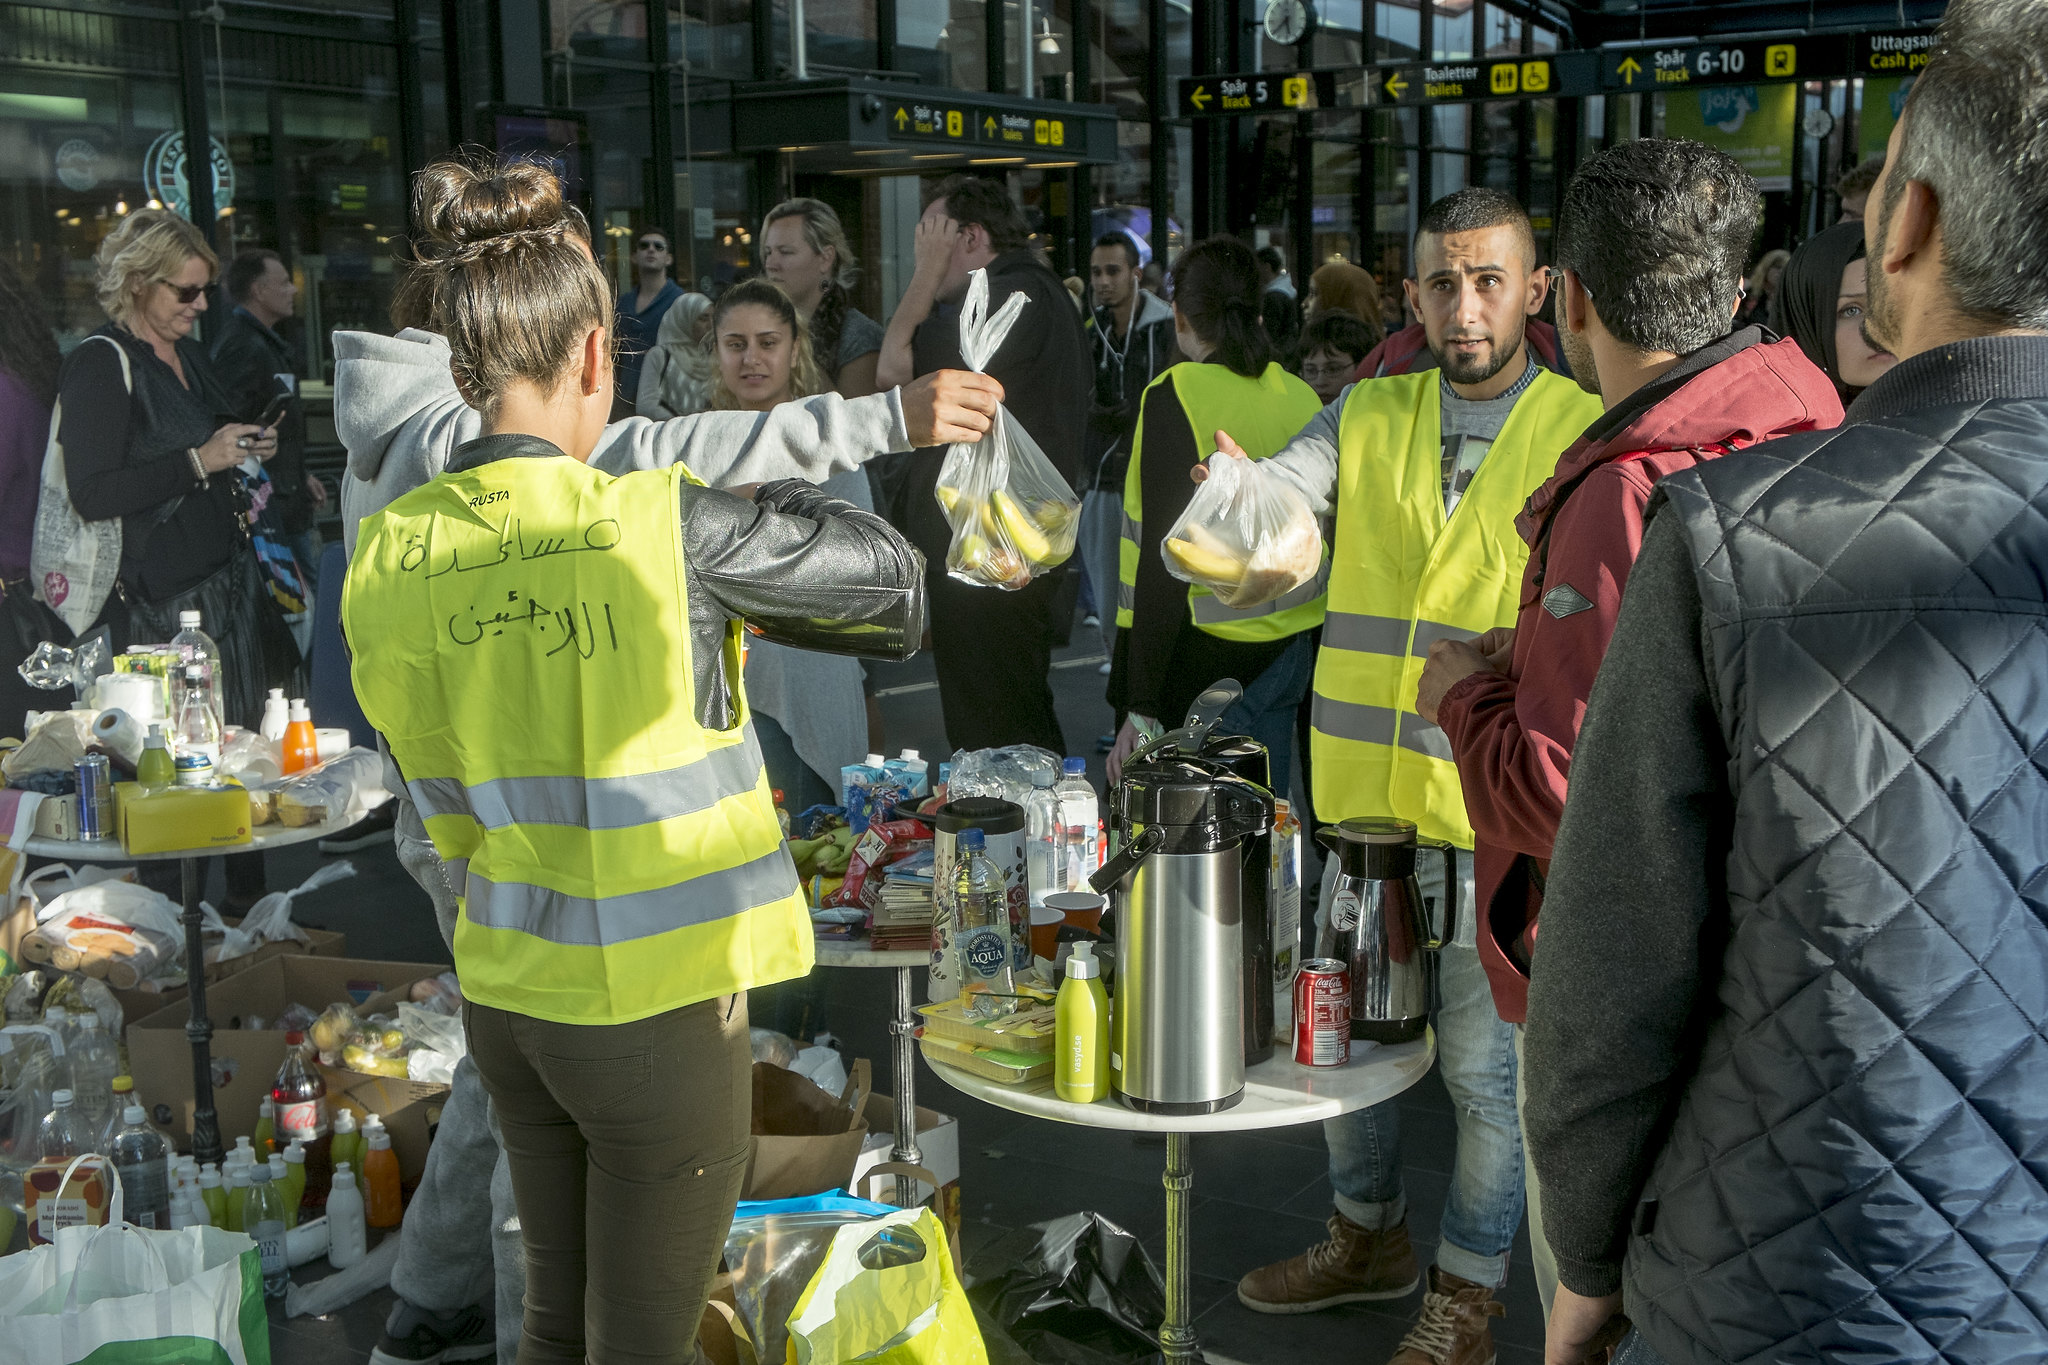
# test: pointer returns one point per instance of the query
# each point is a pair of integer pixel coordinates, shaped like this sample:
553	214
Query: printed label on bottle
146	1193
301	1119
1344	911
269	1235
984	951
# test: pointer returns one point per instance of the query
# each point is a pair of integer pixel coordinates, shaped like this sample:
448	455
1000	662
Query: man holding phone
259	370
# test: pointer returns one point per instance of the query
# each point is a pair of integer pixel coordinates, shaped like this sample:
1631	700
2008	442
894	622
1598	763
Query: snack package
1013	516
884	842
1246	536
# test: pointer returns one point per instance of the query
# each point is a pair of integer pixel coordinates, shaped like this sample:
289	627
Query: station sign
1740	62
1256	92
1548	76
1900	52
925	120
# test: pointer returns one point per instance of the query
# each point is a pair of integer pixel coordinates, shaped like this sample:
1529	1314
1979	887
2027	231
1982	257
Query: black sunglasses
186	292
647	242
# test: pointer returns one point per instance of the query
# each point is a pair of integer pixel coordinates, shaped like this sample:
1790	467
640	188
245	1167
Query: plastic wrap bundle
1246	536
1004	774
1013	516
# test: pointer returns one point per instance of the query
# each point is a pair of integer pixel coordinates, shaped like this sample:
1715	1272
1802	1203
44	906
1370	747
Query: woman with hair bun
1174	641
552	654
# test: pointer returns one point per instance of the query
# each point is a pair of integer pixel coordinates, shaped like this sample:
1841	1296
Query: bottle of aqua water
982	934
263	1220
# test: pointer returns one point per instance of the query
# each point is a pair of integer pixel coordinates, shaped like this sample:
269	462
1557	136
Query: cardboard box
139	1004
245	1061
411	1110
938	1151
179	818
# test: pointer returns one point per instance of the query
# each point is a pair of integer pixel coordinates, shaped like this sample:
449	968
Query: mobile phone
275	411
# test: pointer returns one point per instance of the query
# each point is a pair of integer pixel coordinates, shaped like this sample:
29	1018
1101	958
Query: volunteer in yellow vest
1425	474
552	654
1172	640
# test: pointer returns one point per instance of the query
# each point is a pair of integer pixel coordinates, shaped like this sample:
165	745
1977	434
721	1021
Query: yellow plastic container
1080	1072
178	818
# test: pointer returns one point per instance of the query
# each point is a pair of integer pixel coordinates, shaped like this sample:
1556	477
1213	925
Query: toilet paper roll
121	734
331	743
141	695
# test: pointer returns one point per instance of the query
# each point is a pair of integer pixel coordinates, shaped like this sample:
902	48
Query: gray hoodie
397	411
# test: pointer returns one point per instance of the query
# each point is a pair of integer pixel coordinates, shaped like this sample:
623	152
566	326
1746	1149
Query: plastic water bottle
94	1063
124	1095
1079	832
194	646
196	722
982	934
347	1236
141	1162
1041	837
263	1219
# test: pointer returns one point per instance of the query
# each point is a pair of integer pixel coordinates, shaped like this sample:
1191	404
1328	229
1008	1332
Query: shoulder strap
127	370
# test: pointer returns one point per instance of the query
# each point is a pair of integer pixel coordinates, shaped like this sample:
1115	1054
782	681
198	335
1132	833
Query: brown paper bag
805	1141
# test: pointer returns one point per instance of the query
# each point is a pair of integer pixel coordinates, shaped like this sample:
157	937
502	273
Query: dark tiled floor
1258	1196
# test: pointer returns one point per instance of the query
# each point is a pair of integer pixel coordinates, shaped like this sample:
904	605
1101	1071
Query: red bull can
1322	1012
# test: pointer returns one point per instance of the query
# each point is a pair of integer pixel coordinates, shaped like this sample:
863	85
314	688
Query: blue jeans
1475	1051
1266	710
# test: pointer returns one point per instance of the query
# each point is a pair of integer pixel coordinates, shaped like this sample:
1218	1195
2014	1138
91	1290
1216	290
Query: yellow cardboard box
179	818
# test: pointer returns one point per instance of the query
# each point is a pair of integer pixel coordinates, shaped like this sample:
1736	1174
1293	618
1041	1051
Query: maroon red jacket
1512	734
1408	350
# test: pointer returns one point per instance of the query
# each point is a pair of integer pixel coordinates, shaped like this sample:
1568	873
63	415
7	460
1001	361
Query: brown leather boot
1353	1266
1455	1326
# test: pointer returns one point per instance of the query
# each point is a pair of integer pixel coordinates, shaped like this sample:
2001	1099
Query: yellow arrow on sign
988	125
1200	99
1396	87
902	120
1630	68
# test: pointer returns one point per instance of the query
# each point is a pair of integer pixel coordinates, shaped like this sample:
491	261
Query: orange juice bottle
381	1203
301	745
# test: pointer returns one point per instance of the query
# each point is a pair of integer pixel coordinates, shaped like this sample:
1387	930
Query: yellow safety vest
521	639
1262	415
1405	577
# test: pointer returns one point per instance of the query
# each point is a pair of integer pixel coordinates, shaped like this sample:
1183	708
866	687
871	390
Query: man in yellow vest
1426	473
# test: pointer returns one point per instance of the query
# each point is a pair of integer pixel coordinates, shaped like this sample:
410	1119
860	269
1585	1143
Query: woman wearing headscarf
678	373
1820	303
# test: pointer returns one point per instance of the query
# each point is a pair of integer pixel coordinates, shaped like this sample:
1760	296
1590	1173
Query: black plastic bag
1075	1291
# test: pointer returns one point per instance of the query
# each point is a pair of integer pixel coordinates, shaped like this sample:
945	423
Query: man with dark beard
1433	469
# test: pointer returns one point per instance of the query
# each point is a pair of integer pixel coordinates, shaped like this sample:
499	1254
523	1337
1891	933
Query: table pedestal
903	1063
1177	1333
206	1143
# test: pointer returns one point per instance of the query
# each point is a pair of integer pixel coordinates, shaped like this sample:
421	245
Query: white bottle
346	1233
241	1159
194	646
1041	838
276	716
1079	829
196	726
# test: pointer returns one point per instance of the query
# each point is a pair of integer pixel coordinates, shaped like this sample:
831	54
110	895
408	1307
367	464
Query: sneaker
1356	1265
415	1336
374	828
1455	1327
1104	670
1092	621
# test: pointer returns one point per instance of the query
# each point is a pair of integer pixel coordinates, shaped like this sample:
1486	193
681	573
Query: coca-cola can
1322	1012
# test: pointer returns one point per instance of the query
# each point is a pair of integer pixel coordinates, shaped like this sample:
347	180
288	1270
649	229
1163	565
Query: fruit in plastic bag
1012	515
1247	536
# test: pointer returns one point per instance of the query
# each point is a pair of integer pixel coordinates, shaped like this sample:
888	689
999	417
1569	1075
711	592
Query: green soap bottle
1080	1069
238	1197
213	1196
156	770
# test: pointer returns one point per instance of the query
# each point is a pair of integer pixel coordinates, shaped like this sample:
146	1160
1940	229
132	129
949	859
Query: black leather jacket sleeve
801	568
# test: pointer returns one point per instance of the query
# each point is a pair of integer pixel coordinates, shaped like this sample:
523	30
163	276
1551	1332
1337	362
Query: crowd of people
1700	615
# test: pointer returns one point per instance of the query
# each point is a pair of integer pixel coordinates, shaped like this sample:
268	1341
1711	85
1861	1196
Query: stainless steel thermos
1378	925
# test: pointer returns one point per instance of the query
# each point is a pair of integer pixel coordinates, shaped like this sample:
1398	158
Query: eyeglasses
1556	274
650	244
1336	371
187	293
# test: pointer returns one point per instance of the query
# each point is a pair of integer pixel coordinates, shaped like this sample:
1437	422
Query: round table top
833	952
110	850
1277	1092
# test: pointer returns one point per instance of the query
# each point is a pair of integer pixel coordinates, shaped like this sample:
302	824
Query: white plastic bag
1013	516
270	919
73	562
1245	536
434	1044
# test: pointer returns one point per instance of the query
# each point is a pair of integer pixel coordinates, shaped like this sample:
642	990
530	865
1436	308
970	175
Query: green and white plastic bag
122	1295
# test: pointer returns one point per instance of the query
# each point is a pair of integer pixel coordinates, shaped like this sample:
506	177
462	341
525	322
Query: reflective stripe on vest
1404	576
521	639
1262	415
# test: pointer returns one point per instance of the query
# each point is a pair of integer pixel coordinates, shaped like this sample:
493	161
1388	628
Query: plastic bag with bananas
1013	516
1247	536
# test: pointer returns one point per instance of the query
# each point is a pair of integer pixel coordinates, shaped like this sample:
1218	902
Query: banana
1023	532
974	552
1207	566
949	499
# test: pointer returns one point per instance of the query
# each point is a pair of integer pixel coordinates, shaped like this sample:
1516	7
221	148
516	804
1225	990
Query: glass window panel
611	29
621	136
1503	32
1397	34
1451	32
717	36
943	41
840	33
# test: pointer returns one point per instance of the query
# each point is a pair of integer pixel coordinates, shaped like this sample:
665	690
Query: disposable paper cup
1045	931
1082	909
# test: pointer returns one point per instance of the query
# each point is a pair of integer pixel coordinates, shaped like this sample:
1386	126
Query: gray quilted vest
1856	1171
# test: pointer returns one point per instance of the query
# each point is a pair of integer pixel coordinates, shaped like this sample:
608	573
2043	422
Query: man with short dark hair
639	312
1650	237
1408	350
1854	185
992	648
1131	333
1786	1030
1433	468
254	364
1279	309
